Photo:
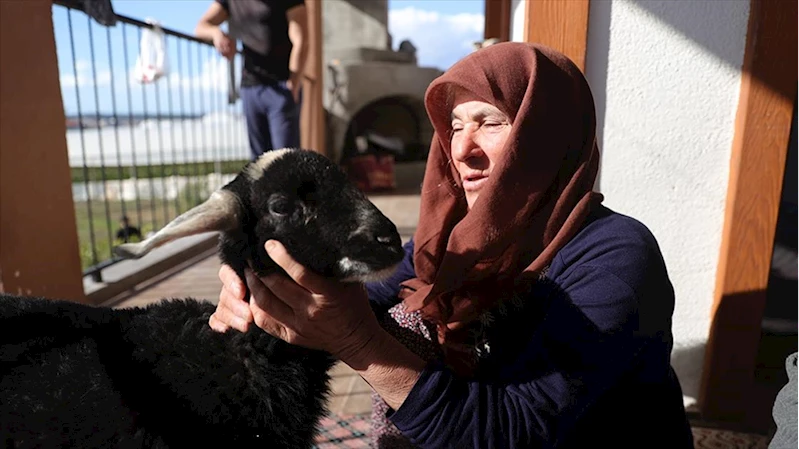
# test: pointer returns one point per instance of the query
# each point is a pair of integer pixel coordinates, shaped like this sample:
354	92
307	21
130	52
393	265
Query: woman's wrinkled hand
304	308
232	310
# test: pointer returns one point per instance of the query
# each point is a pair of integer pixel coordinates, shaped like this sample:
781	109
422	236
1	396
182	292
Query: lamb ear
221	212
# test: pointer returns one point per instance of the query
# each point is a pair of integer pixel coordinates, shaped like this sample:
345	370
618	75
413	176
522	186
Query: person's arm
297	17
607	314
208	29
574	356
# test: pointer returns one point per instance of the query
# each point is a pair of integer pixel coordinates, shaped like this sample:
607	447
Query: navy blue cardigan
586	362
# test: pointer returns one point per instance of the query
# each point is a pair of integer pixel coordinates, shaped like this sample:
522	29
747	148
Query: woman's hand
233	310
309	310
304	309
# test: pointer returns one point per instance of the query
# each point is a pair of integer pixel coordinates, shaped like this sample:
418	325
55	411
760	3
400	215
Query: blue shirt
584	363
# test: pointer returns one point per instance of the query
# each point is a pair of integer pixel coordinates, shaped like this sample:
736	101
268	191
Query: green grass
148	215
79	174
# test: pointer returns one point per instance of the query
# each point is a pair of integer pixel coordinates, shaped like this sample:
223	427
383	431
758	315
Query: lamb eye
279	206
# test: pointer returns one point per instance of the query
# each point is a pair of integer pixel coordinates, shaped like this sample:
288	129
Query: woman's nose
464	146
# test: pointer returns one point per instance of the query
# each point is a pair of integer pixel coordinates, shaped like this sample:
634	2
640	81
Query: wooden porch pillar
759	149
312	116
562	25
497	19
38	235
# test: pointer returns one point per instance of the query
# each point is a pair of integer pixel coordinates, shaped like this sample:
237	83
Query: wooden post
497	19
562	25
760	145
38	236
312	116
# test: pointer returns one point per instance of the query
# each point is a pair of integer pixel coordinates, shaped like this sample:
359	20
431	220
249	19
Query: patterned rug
706	438
353	432
350	431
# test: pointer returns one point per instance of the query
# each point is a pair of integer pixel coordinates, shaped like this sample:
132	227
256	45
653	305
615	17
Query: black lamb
79	376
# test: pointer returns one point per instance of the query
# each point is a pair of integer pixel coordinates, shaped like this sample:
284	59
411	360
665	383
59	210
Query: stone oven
369	88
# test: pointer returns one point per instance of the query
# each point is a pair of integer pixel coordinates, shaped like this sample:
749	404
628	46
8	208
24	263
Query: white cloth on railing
151	65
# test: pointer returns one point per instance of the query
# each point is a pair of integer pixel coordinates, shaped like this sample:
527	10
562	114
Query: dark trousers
273	117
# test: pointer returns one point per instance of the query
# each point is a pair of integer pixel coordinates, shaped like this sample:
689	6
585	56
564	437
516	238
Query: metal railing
147	152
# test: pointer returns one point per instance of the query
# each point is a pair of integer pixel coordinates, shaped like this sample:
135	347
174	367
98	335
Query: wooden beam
560	24
38	235
762	129
497	19
312	116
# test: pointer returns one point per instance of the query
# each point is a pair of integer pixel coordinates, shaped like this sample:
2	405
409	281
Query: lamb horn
219	213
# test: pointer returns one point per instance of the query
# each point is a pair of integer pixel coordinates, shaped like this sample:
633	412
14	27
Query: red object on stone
371	172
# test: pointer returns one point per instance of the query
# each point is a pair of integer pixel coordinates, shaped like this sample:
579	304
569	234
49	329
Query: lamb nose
384	239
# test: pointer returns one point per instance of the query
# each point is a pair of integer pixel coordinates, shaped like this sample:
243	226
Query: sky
441	30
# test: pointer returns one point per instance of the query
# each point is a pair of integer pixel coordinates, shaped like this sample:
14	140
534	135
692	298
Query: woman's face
479	133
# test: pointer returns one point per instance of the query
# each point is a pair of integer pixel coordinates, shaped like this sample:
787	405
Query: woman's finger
217	325
238	317
292	294
268	323
263	300
232	282
301	275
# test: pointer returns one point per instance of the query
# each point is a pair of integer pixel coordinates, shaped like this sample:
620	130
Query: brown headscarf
534	201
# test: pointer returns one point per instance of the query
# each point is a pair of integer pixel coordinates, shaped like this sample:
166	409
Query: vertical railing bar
82	140
149	148
100	137
116	122
160	120
195	134
228	138
185	140
170	105
202	109
215	131
244	138
233	116
131	128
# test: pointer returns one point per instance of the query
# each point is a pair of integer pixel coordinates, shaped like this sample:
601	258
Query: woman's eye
492	126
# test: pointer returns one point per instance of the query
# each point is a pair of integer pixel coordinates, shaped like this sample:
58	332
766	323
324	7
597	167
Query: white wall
516	20
666	79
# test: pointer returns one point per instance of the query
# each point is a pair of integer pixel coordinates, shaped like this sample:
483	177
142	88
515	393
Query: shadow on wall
694	21
690	19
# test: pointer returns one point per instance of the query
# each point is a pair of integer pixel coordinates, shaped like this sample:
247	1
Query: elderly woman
526	313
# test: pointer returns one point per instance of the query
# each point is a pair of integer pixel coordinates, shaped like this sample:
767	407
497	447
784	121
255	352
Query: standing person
275	47
526	314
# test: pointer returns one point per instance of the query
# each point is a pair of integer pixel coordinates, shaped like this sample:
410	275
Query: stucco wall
516	20
666	79
364	22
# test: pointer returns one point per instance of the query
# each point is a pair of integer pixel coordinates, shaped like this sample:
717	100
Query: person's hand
309	310
233	310
304	308
224	45
294	84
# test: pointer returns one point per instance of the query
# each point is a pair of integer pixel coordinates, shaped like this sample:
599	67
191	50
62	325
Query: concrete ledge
125	275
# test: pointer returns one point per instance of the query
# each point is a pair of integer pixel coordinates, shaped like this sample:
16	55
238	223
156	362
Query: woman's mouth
473	183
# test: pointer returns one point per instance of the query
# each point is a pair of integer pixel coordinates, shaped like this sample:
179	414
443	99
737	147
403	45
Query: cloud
213	76
441	39
85	76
